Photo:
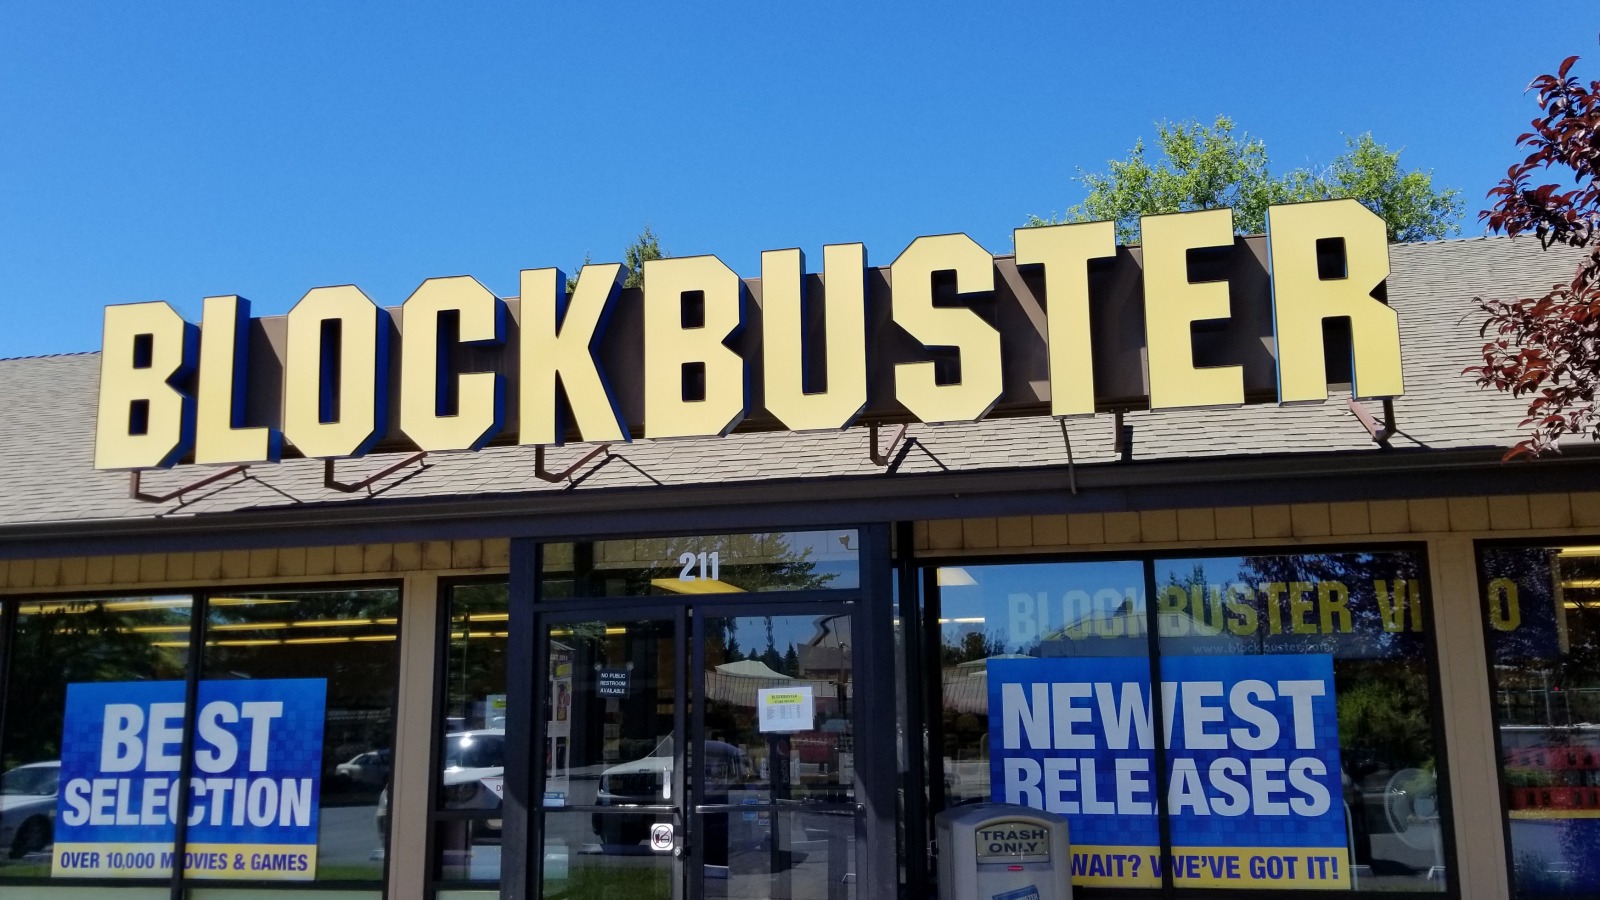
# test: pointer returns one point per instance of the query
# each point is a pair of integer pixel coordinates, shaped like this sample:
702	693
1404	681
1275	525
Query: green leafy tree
645	247
1212	167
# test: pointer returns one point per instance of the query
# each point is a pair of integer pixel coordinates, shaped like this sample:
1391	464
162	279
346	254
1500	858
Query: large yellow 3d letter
1303	296
559	336
336	376
479	317
220	435
1173	303
694	384
978	344
844	338
1065	252
144	420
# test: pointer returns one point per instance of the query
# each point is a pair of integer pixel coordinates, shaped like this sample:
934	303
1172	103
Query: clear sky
177	150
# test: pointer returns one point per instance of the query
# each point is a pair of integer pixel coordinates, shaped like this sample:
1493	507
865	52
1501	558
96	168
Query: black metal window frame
1502	785
521	868
178	885
932	723
432	883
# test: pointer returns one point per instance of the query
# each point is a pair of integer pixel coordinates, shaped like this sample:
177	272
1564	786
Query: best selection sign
1252	759
1070	324
253	791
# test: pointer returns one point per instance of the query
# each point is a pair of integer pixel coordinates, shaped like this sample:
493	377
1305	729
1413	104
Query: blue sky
178	150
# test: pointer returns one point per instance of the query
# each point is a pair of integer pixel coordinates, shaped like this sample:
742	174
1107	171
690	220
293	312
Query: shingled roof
48	485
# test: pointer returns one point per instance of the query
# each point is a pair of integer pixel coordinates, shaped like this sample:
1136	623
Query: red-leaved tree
1547	348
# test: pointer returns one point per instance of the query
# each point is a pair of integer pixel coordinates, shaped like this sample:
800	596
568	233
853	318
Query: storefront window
1543	627
703	564
1300	716
291	733
64	653
1295	745
1009	635
294	664
467	820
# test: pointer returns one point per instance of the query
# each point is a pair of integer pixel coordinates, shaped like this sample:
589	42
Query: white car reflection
28	807
470	758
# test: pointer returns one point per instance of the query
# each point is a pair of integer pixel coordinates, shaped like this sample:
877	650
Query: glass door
612	808
701	750
774	811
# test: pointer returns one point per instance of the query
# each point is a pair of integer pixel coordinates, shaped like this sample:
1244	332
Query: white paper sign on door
786	709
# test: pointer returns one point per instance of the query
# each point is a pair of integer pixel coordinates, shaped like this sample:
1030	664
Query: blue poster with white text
253	788
1253	785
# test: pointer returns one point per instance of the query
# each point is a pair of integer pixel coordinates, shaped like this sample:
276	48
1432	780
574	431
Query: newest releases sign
1252	766
1069	324
253	790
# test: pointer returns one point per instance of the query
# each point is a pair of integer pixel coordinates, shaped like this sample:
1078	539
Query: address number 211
700	566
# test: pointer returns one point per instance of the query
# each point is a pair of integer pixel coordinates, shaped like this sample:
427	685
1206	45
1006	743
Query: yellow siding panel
207	565
1050	531
347	559
1348	518
466	554
1389	516
497	553
979	534
1015	531
408	557
1121	528
99	571
152	568
319	561
376	558
236	564
1158	525
74	571
944	534
47	573
1586	510
1310	519
1469	513
124	569
1429	515
1272	521
1550	511
1234	523
21	575
263	563
292	561
1196	525
1509	513
436	555
180	566
1086	528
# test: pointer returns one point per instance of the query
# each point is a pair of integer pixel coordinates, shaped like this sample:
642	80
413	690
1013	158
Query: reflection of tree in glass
771	564
477	656
970	647
315	634
79	642
1377	626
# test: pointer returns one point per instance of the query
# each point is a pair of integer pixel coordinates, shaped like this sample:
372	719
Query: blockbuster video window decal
171	392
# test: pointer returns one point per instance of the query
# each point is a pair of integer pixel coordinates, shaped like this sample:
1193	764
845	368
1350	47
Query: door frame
825	604
878	779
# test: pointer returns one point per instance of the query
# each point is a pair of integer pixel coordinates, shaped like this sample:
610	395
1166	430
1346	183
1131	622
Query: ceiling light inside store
955	576
698	586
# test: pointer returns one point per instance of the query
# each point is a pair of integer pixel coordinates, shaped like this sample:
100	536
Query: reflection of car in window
470	757
28	807
369	769
646	782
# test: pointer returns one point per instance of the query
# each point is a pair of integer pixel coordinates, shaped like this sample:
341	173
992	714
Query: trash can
1002	851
